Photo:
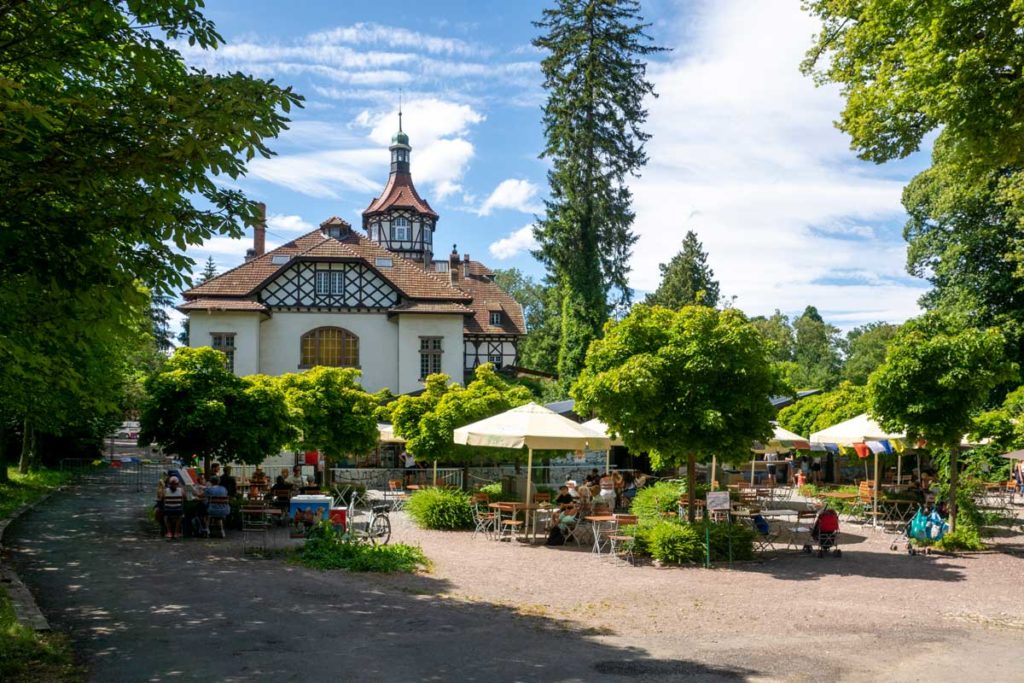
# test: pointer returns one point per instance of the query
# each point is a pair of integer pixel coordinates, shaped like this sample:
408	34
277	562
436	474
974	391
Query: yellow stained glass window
331	346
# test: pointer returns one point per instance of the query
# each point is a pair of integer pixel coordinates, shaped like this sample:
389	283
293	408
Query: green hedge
444	509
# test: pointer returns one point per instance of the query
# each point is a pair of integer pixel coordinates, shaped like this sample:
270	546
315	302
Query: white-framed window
495	317
225	343
401	230
330	282
431	350
495	359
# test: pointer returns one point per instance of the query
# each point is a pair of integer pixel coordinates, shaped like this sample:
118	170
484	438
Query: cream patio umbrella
601	428
858	430
782	441
534	427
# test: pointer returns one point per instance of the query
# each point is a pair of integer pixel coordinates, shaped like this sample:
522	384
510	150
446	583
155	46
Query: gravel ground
141	608
872	614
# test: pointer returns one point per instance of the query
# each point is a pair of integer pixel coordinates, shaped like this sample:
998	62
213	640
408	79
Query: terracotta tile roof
399	193
431	307
242	280
406	275
487	297
222	305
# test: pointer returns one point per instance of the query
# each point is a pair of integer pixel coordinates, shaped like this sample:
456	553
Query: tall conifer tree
595	76
687	278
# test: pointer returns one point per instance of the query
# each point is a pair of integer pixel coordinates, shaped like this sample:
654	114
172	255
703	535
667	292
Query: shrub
673	543
651	501
327	549
966	537
741	537
440	509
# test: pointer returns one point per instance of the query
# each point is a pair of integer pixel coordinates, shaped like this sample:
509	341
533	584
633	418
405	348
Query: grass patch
326	549
25	488
29	656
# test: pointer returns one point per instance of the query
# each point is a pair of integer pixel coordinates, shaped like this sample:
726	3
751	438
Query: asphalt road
140	608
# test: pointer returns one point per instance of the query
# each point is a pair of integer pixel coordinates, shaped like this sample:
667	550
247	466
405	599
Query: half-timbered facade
377	301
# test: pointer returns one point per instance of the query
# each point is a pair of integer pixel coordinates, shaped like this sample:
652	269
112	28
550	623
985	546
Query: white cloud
277	222
511	194
364	33
744	153
519	241
438	132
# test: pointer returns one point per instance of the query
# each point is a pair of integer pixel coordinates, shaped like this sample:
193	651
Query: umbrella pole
435	474
608	460
899	468
714	471
753	461
529	486
874	497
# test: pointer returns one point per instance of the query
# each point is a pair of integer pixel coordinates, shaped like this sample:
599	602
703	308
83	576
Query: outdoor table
839	495
514	507
599	521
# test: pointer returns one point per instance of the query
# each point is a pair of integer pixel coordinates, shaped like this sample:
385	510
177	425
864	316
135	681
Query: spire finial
399	110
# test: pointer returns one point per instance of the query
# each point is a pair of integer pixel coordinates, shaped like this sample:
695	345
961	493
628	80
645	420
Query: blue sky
743	148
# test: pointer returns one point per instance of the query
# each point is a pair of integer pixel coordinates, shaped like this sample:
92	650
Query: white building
378	302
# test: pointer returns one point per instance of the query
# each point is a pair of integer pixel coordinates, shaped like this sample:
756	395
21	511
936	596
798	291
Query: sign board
718	500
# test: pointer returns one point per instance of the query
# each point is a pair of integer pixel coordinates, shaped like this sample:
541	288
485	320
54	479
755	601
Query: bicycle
376	530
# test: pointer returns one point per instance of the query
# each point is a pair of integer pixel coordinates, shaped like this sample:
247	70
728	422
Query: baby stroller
927	528
825	533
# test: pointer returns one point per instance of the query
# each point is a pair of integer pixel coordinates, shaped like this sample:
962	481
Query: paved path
139	608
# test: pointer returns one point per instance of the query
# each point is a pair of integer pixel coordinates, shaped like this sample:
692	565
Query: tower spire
399	110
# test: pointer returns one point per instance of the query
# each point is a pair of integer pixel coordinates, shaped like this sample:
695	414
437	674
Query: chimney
259	233
453	264
465	265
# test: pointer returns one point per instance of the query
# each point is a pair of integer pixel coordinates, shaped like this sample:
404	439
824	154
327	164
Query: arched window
332	346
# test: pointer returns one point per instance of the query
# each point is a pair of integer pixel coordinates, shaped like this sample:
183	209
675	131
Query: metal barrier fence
129	473
378	477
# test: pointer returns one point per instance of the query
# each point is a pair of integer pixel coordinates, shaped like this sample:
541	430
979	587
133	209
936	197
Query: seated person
593	478
280	493
628	489
229	483
218	510
564	498
565	518
258	476
310	485
571	485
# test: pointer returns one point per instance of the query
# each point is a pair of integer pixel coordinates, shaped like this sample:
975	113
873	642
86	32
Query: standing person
174	508
409	463
228	482
214	471
1018	473
159	507
770	459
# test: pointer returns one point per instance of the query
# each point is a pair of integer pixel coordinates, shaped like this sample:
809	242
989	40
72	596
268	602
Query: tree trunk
207	460
26	448
954	475
691	487
3	455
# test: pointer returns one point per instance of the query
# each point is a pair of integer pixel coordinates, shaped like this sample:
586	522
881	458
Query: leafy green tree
541	303
112	155
161	322
191	407
687	278
909	68
938	374
815	413
595	76
262	423
332	412
779	332
964	241
681	385
427	422
865	348
815	351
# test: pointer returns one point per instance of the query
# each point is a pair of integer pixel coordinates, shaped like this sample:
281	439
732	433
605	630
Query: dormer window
495	317
401	230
